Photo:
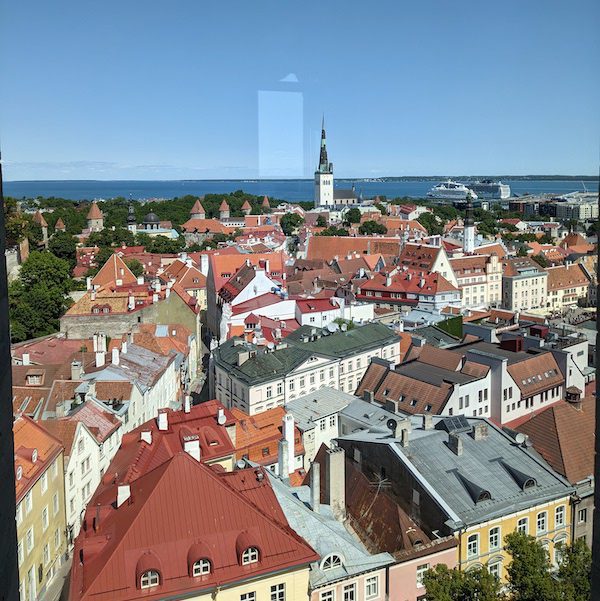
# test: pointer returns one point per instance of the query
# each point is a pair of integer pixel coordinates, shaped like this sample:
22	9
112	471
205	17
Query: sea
284	189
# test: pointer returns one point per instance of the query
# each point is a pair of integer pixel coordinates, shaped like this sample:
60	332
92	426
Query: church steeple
469	227
324	165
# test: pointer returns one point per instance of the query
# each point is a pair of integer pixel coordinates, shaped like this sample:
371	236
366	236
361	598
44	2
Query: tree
540	260
522	251
333	231
352	216
431	224
321	221
372	227
444	584
38	298
290	222
574	571
63	246
529	577
136	267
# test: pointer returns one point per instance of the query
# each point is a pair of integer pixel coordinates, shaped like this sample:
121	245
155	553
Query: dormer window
250	555
201	567
149	579
331	561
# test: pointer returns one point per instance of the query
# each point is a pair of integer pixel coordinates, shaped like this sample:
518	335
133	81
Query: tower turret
469	227
324	174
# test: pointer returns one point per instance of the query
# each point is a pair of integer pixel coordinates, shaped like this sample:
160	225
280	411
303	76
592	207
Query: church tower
131	220
324	175
469	227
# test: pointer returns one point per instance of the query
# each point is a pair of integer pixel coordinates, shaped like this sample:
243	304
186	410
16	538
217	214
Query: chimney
315	487
573	396
130	302
283	459
404	437
421	282
155	298
221	419
191	445
93	295
156	285
369	396
391	405
140	280
26	359
88	283
146	436
427	422
63	408
167	292
99	359
102	342
76	370
187	403
455	443
480	431
115	356
335	479
95	342
417	341
124	347
123	494
163	421
388	280
288	434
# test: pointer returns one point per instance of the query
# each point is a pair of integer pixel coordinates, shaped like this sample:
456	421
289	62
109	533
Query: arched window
149	579
473	546
331	561
201	567
250	555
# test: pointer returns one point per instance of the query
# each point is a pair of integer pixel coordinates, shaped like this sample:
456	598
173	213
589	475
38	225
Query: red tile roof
564	436
198	208
206	226
224	206
566	276
95	212
35	450
39	219
327	247
113	271
178	513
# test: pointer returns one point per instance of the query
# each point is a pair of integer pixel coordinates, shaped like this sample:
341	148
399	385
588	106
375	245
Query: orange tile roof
208	226
488	249
39	219
566	276
327	247
198	208
63	430
246	206
95	212
224	206
30	436
113	270
536	373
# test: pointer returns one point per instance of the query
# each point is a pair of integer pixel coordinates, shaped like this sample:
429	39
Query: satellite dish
332	327
391	424
344	327
221	419
528	442
520	438
271	346
240	464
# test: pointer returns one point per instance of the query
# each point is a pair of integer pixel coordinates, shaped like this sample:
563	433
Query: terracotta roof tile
566	276
95	212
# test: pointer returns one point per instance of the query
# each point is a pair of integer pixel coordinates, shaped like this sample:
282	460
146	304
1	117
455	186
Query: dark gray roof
344	193
494	349
435	336
494	465
310	408
432	374
151	218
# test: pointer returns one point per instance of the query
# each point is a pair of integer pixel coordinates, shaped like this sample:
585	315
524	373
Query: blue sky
188	89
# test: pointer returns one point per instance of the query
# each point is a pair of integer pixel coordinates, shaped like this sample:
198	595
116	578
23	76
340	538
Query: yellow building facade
41	516
482	545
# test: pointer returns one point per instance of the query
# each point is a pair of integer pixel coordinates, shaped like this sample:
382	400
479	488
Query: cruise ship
452	191
487	188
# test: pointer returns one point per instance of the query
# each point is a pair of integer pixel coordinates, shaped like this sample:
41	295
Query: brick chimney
335	478
455	444
315	487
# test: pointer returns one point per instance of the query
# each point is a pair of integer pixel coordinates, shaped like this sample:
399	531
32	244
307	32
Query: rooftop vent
476	492
523	480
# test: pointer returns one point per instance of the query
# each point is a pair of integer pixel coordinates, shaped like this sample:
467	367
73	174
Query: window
420	573
20	552
250	555
28	502
523	526
149	579
278	592
57	538
201	567
55	504
311	378
331	561
331	421
494	569
372	587
559	516
19	516
582	515
46	554
494	538
322	375
269	392
328	595
44	481
292	383
350	592
80	445
542	522
279	388
322	424
473	545
29	540
45	518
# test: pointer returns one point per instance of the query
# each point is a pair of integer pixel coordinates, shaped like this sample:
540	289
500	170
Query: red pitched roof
39	219
95	212
224	206
265	203
246	206
115	269
178	513
197	208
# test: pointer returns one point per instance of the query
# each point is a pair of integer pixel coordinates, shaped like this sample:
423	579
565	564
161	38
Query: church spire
324	165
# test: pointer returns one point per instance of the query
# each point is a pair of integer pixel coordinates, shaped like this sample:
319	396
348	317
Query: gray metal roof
490	464
326	535
361	415
309	409
432	374
344	193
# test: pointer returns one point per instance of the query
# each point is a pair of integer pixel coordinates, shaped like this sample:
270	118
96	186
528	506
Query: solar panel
456	423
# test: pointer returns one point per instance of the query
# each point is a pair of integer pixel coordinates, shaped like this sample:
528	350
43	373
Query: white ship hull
451	191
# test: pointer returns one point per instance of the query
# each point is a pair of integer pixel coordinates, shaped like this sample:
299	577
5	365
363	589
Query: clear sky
134	89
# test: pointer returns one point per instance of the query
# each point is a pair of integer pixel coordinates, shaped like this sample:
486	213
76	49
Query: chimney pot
26	359
455	443
163	421
480	431
191	445
187	403
427	422
315	487
115	356
146	436
336	481
99	359
369	396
